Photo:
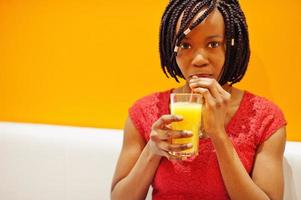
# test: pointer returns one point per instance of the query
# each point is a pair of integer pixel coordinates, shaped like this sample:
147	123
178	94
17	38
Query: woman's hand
161	137
215	105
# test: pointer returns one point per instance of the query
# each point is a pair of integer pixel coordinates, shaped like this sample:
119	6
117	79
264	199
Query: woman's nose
199	60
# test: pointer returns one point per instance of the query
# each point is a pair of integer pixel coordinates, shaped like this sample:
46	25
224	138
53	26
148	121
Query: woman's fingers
214	88
180	134
172	156
209	100
174	151
174	147
208	83
223	92
169	134
162	131
162	136
165	120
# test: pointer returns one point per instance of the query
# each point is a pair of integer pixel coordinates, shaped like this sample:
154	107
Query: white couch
43	162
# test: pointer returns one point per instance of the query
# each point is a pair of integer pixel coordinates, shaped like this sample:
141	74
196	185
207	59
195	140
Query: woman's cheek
180	63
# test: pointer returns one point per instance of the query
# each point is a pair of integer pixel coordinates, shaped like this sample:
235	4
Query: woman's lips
202	75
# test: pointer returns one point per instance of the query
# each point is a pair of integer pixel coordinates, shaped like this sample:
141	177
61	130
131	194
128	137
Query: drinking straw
190	98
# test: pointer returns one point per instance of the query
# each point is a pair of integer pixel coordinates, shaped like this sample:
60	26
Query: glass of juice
189	107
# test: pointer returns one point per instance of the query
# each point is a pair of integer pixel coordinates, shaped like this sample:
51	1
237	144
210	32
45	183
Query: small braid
181	35
195	5
187	11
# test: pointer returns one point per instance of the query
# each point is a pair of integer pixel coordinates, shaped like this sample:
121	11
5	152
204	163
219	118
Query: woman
206	43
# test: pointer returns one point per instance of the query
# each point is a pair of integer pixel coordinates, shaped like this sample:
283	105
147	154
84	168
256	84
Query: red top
255	120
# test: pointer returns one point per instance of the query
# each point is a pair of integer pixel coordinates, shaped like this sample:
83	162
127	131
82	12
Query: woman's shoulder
260	104
266	116
147	109
153	98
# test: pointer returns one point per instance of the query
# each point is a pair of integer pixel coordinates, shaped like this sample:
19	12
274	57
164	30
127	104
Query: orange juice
191	113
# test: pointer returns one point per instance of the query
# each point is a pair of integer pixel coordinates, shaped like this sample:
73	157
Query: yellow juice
191	113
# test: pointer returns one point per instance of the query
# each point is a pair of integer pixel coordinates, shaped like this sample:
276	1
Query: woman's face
202	52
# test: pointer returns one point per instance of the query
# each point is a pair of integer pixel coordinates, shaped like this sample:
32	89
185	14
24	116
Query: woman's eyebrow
215	36
209	37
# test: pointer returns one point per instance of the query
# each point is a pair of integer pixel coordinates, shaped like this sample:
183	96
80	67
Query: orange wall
84	63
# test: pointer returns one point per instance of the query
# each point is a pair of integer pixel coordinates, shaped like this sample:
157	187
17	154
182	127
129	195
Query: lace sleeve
272	119
137	117
145	111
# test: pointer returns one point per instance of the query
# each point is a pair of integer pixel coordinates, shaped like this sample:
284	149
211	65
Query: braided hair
236	35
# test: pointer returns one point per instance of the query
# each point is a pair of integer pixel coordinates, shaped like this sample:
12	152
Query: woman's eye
185	46
214	44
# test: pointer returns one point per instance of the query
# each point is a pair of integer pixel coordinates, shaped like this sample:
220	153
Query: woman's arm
135	168
267	177
268	167
138	161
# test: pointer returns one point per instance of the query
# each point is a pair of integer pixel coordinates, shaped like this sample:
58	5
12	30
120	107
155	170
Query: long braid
237	56
237	60
165	36
228	37
174	71
244	52
245	40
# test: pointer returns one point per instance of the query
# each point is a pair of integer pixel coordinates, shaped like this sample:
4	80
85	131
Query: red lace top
255	120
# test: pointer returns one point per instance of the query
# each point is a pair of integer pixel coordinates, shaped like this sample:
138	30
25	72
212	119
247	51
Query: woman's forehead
213	21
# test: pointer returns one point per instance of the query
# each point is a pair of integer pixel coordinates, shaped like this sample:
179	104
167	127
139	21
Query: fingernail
189	133
189	145
179	117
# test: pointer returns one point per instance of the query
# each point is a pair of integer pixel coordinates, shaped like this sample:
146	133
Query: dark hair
236	35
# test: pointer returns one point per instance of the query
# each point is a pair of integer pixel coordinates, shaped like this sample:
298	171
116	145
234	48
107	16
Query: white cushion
40	162
292	171
45	162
